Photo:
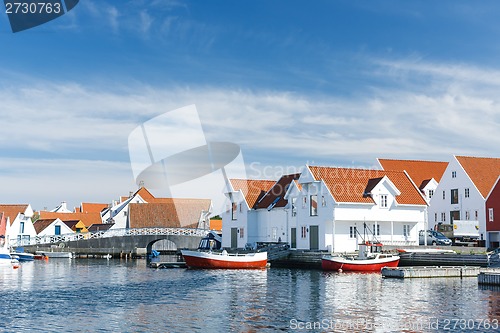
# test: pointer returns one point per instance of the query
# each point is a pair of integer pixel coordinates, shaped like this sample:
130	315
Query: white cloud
453	115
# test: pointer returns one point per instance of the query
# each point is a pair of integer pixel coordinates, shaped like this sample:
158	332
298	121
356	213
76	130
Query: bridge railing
51	239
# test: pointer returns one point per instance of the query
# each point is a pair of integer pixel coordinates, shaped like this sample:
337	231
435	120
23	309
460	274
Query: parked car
433	238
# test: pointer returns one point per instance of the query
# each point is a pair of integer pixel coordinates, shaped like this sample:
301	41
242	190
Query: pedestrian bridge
116	242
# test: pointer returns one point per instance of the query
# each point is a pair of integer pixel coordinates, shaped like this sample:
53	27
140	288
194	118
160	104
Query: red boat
203	259
366	261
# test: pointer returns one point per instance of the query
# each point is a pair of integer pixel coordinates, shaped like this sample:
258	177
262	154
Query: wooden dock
489	278
434	272
179	264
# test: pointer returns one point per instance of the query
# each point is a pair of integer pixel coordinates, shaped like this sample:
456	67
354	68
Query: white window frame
383	201
303	231
490	215
453	174
242	232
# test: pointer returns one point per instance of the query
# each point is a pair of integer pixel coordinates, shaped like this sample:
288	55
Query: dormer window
383	201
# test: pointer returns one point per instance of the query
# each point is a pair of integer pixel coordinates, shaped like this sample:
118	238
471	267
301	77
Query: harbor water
98	295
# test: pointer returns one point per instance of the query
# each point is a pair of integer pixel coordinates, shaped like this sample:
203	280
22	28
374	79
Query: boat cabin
213	241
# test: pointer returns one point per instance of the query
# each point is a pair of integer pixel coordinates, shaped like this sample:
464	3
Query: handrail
50	239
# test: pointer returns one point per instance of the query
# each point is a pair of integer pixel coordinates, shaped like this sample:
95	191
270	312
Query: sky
325	82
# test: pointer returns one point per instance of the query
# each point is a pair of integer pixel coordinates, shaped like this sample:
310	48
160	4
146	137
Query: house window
406	230
376	229
443	217
431	193
275	234
323	201
453	174
313	208
435	217
444	195
304	202
476	214
454	196
242	232
383	201
352	232
490	214
467	215
241	208
467	192
21	227
57	230
234	207
294	208
303	231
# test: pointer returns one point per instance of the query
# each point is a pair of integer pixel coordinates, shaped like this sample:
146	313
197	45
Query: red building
493	214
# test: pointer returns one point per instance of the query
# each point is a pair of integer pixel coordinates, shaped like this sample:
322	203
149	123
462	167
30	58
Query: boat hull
24	256
350	265
197	259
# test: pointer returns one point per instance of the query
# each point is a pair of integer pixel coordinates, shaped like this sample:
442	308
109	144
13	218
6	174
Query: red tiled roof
277	192
100	227
252	189
176	213
483	171
41	224
88	207
419	171
87	218
11	211
348	184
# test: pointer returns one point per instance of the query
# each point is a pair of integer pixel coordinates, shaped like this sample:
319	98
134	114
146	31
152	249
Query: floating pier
489	278
435	272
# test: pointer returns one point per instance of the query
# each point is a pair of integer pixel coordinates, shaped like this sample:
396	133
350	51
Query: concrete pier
489	278
433	272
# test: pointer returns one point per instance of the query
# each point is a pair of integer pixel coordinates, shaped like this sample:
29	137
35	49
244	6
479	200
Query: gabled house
337	208
463	190
62	208
272	222
239	219
51	227
425	174
86	218
20	230
167	210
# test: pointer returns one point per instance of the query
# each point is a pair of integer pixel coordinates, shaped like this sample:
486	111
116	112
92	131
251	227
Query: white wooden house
273	211
462	192
51	227
239	220
20	229
337	208
425	174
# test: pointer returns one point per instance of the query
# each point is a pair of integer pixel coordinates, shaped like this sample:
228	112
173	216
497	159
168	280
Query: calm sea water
97	295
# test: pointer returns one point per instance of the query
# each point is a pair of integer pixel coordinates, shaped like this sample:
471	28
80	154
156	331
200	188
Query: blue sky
325	82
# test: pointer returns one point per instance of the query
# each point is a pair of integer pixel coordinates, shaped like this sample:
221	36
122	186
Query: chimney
63	206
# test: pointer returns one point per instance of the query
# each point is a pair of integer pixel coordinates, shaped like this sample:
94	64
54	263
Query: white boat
7	260
49	254
209	259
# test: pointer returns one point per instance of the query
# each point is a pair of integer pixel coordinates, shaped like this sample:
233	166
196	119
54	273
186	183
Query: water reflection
87	295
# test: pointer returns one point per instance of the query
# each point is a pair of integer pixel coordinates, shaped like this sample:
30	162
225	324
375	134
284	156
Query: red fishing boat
365	261
204	259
